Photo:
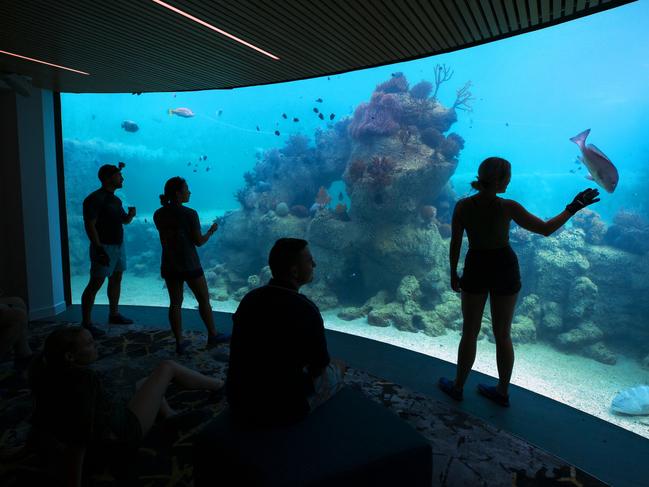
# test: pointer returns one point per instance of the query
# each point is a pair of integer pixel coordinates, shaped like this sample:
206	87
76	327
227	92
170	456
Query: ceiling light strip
215	29
43	62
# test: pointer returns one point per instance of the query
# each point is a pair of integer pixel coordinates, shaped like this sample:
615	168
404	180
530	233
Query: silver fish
600	167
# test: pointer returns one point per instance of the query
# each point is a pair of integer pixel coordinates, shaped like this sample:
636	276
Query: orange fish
181	112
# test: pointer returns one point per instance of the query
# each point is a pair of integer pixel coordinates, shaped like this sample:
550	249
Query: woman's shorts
181	275
126	426
493	271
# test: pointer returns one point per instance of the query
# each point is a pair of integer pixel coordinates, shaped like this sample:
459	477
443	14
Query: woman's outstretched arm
530	222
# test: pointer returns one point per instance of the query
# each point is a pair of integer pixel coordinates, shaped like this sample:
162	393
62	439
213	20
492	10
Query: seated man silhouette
279	364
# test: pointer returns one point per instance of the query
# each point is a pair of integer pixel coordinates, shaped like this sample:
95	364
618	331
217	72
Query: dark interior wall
31	261
13	277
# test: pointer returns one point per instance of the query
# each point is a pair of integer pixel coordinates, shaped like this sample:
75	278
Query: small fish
315	110
146	221
295	119
189	164
506	124
195	170
181	112
328	78
219	113
332	116
321	116
340	196
600	167
205	158
277	133
319	100
572	171
200	158
130	126
257	128
174	95
284	116
207	168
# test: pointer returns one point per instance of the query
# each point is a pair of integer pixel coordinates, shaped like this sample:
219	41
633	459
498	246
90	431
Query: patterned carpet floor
466	450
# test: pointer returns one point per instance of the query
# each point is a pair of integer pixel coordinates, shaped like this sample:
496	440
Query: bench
348	441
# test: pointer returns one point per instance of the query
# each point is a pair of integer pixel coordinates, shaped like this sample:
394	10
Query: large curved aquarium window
368	167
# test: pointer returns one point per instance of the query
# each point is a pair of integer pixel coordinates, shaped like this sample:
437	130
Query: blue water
531	94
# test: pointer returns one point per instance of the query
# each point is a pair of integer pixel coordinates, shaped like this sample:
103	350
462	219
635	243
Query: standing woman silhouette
491	269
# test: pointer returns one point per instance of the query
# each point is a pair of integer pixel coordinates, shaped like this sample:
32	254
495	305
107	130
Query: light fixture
215	29
43	62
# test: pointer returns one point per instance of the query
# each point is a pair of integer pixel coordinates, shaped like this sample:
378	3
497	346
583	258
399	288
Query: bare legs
88	298
502	313
175	290
114	290
149	400
472	309
202	295
199	289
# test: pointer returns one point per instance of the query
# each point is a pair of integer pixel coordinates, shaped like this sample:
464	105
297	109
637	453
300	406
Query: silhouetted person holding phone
103	218
180	234
491	269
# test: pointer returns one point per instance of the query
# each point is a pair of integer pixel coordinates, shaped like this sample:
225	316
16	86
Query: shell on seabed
632	401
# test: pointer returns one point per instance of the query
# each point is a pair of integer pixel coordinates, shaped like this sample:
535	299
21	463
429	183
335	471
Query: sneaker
217	339
491	393
448	387
119	319
94	330
182	347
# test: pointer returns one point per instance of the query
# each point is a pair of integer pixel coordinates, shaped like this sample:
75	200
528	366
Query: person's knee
166	368
502	337
175	304
94	285
115	278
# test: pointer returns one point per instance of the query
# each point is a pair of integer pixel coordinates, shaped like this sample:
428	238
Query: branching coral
464	98
442	74
381	169
356	170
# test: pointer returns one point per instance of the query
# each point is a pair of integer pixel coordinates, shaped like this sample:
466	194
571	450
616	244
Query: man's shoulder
94	196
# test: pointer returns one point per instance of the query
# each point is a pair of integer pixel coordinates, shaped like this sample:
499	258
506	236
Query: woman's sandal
448	387
491	393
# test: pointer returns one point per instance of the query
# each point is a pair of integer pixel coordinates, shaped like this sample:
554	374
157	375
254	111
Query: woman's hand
213	228
455	282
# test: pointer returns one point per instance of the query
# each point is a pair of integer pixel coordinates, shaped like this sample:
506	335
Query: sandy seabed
574	380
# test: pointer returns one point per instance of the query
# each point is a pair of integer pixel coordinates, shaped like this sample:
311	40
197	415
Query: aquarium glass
368	167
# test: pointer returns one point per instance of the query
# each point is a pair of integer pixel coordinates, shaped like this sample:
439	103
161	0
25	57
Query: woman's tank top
486	223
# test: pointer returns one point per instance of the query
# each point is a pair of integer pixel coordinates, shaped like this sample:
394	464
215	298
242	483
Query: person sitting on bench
279	367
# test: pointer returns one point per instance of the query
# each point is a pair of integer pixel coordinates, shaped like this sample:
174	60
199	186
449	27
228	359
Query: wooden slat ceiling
139	46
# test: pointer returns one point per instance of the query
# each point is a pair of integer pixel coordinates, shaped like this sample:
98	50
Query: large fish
600	167
181	112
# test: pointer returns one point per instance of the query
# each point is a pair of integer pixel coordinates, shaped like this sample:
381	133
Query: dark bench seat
348	441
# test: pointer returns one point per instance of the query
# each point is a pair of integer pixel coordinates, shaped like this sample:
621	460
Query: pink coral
355	170
421	90
396	84
322	198
380	117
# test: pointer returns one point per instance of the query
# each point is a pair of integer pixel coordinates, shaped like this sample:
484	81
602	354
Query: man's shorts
493	271
117	263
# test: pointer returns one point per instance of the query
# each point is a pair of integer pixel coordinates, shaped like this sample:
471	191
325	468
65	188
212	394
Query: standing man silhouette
104	217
